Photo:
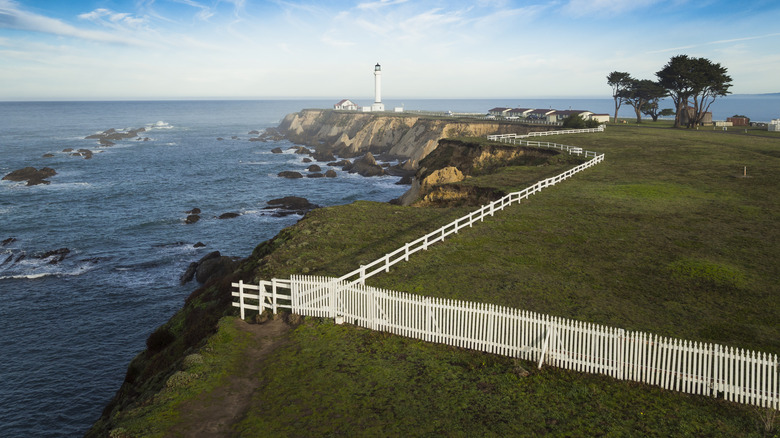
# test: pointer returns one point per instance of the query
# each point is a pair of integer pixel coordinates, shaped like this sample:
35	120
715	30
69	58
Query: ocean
68	330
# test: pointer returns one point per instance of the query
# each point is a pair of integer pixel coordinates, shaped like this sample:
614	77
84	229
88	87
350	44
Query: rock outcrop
32	175
436	181
210	265
290	205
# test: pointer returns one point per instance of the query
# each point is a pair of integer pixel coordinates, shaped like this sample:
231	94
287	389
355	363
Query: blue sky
169	49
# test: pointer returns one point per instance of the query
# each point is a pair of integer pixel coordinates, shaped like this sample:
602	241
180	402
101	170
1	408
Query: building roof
499	109
572	112
543	112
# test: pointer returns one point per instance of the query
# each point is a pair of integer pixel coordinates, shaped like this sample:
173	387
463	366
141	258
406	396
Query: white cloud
13	17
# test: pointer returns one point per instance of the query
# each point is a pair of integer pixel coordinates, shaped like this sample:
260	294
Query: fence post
621	353
273	295
363	274
241	297
406	252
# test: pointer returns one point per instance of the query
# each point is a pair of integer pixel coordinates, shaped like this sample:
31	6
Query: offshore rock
367	166
32	175
229	215
289	174
290	205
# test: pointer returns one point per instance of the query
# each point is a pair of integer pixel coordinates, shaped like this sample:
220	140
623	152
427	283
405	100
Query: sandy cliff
402	136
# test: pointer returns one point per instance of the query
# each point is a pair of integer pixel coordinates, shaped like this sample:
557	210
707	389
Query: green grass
198	373
344	381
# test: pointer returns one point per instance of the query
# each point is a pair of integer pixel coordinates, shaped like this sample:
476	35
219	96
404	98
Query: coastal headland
400	136
662	237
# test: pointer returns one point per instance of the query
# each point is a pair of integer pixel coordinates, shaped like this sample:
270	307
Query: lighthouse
377	105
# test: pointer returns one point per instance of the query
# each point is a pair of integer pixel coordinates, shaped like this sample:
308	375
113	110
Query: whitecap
26	276
159	125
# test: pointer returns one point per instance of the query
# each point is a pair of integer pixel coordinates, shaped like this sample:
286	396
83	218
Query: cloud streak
13	17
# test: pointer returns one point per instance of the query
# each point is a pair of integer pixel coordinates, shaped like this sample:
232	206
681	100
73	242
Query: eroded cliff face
402	136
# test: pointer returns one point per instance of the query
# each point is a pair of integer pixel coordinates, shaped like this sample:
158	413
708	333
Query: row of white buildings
544	115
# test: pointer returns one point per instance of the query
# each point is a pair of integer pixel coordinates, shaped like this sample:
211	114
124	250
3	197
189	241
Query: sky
251	49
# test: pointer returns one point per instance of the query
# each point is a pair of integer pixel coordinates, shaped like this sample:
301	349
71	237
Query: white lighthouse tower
377	105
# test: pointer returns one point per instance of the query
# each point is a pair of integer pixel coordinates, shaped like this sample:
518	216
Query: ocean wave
159	125
254	163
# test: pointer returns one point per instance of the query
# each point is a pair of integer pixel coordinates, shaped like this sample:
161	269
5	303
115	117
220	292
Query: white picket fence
513	138
697	368
737	375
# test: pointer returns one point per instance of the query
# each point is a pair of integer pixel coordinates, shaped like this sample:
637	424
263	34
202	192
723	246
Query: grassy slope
662	237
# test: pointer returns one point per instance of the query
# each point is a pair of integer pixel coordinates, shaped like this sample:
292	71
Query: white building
774	125
346	105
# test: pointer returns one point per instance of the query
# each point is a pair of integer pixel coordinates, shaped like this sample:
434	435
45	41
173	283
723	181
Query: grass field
666	236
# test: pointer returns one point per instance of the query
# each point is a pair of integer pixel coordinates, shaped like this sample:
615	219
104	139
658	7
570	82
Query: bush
575	121
159	339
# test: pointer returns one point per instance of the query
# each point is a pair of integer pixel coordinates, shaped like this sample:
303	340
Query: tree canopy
619	81
699	79
640	93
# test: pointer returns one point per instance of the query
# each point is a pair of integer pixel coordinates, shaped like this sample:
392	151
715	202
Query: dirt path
213	414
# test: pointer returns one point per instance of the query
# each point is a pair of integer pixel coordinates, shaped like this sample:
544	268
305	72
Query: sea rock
230	215
290	205
191	219
195	210
306	160
220	138
302	150
218	265
199	245
189	273
276	151
54	256
254	132
367	166
330	173
208	266
32	175
323	156
289	174
314	175
341	163
86	153
67	150
49	155
314	168
8	241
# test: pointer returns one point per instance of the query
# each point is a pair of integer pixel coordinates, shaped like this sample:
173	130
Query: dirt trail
213	414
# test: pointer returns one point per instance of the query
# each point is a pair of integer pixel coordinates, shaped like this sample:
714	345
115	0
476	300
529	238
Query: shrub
159	339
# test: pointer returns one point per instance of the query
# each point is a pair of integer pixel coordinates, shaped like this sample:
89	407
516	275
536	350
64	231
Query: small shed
774	125
601	118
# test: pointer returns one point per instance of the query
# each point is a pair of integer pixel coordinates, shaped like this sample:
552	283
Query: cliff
401	136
